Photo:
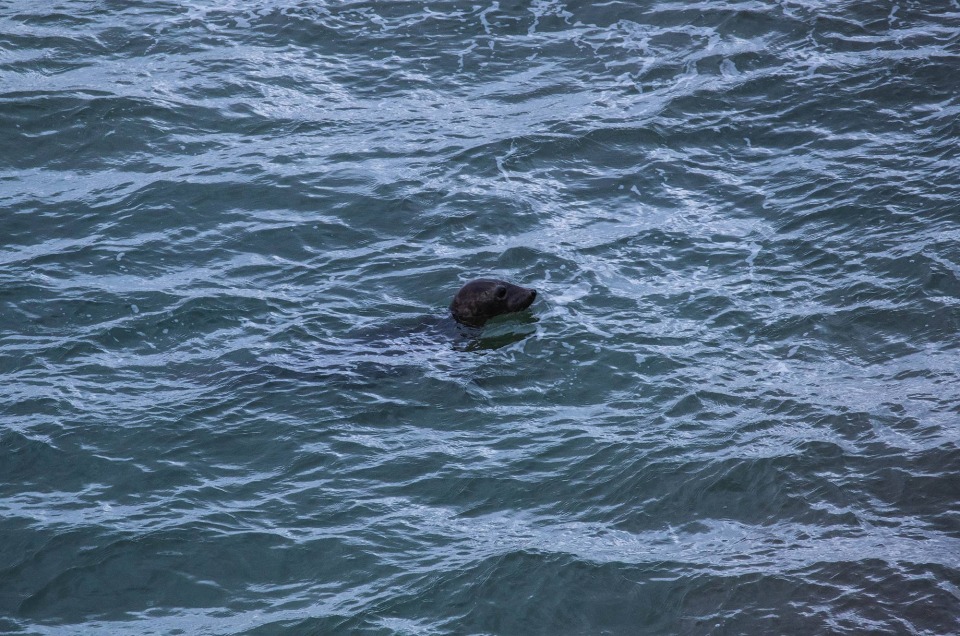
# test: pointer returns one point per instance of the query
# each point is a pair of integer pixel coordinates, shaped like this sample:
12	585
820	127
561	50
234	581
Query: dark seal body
480	300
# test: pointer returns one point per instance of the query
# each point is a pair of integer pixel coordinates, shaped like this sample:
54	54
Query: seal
480	300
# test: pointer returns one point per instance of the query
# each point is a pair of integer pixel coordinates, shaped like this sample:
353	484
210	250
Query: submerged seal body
480	300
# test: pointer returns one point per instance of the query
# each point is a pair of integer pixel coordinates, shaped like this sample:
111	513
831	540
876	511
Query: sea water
232	399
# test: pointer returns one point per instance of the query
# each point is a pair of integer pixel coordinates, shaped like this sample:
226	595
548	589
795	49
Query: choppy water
231	402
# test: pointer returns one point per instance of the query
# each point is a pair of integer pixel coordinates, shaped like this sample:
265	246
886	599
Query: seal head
480	300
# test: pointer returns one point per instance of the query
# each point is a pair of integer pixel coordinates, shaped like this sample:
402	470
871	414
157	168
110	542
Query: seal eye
500	292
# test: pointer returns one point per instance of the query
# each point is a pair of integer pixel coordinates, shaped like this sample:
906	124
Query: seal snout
526	299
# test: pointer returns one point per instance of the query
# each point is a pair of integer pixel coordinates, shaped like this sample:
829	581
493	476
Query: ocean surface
232	400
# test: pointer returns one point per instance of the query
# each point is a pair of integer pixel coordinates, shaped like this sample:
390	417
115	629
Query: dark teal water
231	400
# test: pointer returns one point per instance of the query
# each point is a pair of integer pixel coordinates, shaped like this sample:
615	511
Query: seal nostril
533	294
